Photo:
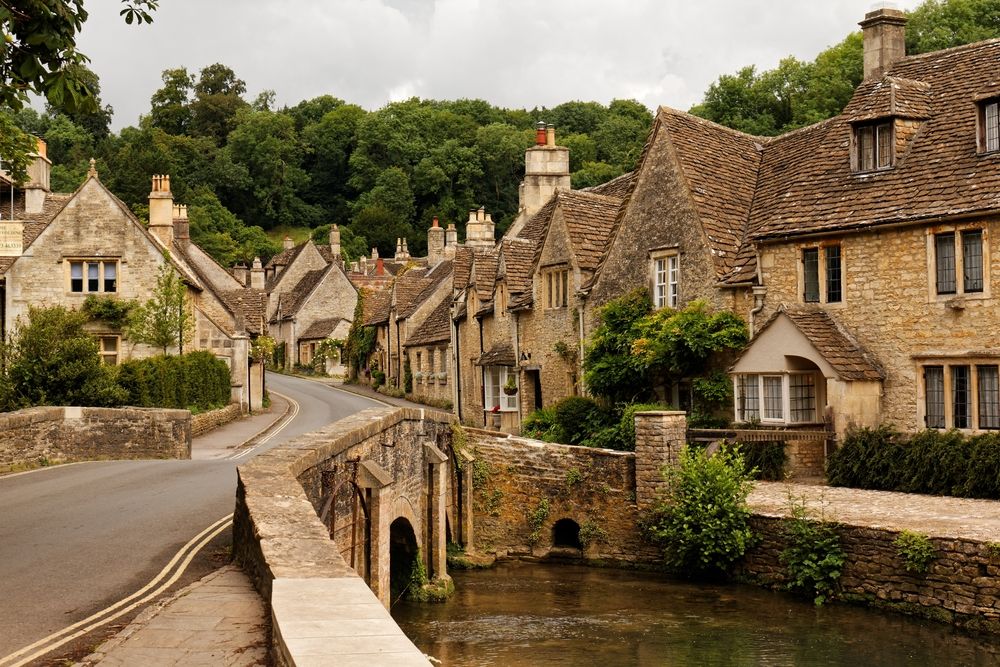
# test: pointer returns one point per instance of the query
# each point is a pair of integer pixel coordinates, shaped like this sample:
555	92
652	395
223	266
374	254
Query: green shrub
621	435
578	417
915	550
765	459
702	524
541	425
936	462
813	557
194	380
378	379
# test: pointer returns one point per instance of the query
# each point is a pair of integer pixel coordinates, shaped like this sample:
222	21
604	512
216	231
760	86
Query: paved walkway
936	516
368	392
219	620
220	442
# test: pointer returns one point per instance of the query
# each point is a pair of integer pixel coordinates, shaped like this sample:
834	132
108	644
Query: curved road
77	538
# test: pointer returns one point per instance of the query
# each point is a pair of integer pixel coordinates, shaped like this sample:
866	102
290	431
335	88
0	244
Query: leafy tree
170	105
166	320
382	228
610	369
52	360
392	194
353	246
941	24
217	100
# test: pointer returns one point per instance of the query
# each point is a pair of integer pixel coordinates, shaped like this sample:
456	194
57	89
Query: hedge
197	380
933	462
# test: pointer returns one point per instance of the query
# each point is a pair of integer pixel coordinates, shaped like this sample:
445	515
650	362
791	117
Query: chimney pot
540	133
550	135
379	267
434	222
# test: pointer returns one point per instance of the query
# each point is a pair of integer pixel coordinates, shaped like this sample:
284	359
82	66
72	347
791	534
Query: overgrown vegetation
537	519
195	380
360	341
933	462
915	550
165	320
702	522
578	420
108	309
813	557
765	459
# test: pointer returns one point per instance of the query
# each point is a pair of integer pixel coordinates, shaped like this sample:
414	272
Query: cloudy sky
514	53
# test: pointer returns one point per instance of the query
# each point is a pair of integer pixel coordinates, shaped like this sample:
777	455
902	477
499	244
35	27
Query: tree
52	360
166	319
941	24
170	108
352	245
217	100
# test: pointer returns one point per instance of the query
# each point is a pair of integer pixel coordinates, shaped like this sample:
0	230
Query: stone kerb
322	611
659	437
64	434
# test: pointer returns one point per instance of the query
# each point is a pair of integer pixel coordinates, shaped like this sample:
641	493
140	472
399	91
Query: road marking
181	559
237	455
345	391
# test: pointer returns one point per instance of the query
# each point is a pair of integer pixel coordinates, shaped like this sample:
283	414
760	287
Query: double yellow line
166	578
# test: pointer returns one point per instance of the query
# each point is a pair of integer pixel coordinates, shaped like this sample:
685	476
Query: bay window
790	398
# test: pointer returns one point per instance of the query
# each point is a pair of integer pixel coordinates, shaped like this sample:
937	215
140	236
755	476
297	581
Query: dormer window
989	126
873	143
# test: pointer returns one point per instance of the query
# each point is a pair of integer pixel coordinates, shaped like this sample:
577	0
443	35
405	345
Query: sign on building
11	239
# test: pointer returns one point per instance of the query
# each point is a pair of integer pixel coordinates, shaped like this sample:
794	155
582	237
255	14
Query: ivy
361	341
108	309
537	519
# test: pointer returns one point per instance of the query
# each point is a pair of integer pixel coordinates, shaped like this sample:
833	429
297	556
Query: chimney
161	211
540	133
406	251
884	40
399	249
479	230
257	274
379	267
436	241
288	243
546	171
36	188
354	267
182	228
374	253
241	273
550	135
450	241
335	242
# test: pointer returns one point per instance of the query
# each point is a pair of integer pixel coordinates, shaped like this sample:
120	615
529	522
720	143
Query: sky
512	53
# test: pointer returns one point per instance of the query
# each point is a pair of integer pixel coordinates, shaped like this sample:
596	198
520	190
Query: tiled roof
589	219
285	257
501	354
34	223
518	262
538	224
321	328
806	184
617	187
432	278
290	302
462	267
485	274
889	96
720	167
375	307
436	327
250	304
834	343
526	300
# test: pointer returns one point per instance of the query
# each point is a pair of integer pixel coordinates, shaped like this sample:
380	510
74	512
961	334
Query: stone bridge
336	520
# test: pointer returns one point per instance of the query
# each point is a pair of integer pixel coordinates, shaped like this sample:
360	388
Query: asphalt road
76	538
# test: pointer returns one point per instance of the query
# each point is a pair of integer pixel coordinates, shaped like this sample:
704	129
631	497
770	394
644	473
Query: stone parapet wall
213	419
514	479
659	437
962	585
64	434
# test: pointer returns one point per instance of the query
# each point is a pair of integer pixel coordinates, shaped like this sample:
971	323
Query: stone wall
962	585
516	479
213	419
58	434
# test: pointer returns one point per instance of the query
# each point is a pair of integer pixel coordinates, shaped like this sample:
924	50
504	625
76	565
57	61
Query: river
547	614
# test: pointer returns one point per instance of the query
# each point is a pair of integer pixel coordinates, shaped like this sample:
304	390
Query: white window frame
785	387
665	277
491	399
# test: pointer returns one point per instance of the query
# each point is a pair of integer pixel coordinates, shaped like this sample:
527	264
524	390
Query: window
874	146
109	350
962	396
556	287
989	126
788	398
666	281
494	379
822	281
959	262
93	276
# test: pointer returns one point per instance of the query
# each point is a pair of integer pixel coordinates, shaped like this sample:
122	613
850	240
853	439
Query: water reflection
529	614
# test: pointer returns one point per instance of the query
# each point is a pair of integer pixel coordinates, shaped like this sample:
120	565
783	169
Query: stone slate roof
619	187
289	303
249	304
485	273
375	307
833	342
518	256
462	267
889	96
321	328
806	184
34	224
589	219
501	354
538	224
280	263
430	280
436	328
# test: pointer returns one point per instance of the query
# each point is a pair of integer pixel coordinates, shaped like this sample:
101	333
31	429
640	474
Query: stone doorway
403	555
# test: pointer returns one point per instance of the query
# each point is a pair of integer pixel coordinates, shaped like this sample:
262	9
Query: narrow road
77	538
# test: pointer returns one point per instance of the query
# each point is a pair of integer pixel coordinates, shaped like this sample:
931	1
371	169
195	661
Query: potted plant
510	388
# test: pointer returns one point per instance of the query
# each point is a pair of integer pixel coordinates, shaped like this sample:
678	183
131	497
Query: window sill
958	301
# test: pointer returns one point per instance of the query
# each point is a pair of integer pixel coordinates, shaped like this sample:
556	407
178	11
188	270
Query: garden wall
207	421
62	434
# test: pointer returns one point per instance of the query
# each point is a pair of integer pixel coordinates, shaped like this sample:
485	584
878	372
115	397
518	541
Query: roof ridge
711	123
950	49
588	195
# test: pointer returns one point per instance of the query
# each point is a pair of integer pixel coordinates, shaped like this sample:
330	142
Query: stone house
876	235
99	248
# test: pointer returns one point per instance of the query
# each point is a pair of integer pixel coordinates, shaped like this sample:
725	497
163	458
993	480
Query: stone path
219	620
935	516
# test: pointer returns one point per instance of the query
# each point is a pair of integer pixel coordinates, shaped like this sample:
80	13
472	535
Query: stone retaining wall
62	434
213	419
516	479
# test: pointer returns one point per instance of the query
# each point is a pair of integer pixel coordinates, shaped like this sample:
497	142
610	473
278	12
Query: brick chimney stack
884	40
257	274
436	241
182	227
161	211
379	266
